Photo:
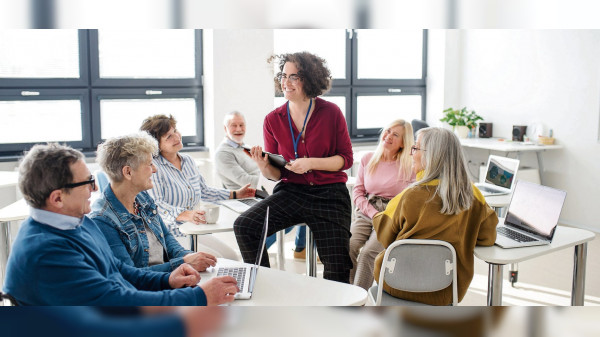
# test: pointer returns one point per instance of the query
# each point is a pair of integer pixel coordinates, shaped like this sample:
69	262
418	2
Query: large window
378	75
82	86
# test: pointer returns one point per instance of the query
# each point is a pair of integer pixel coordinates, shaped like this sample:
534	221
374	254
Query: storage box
543	140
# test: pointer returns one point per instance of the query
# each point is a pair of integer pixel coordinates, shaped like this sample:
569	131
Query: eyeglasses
414	149
293	78
92	182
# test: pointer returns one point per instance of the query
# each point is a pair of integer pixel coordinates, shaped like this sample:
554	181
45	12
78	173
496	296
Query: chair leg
311	254
280	250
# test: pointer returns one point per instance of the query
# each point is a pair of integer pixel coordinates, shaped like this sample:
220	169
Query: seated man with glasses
60	256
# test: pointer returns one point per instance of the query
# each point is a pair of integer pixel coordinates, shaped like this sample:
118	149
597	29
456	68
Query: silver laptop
532	216
499	177
242	205
246	275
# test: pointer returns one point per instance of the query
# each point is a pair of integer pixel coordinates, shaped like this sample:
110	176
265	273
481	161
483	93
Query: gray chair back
418	266
417	125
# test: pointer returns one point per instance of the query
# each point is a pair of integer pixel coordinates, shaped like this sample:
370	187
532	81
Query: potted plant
461	120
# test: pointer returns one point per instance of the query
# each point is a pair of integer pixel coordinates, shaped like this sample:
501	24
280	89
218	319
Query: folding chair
416	266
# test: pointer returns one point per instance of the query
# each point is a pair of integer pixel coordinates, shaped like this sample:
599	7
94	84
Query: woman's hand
200	261
256	154
196	217
245	192
300	165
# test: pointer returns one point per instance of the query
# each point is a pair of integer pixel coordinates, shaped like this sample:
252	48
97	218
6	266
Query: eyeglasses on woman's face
414	149
294	78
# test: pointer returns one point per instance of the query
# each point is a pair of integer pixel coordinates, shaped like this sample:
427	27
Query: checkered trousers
326	209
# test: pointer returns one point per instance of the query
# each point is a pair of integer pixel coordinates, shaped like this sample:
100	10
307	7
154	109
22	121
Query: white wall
244	81
517	77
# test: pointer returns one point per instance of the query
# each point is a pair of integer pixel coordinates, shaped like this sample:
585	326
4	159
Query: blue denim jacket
126	233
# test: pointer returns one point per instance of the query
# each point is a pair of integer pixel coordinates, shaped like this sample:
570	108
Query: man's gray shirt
234	166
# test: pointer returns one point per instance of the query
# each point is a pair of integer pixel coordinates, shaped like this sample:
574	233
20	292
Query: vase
461	131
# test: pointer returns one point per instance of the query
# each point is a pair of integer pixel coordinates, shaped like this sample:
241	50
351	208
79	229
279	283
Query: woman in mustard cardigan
442	204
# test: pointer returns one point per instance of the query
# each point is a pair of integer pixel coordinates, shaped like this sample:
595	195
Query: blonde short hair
130	150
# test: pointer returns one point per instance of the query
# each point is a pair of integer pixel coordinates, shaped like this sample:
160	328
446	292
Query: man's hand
220	290
245	192
184	276
200	261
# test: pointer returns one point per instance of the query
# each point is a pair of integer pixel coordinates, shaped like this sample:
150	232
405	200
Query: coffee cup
211	212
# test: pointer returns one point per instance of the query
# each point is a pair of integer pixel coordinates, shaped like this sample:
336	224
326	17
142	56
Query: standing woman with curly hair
312	135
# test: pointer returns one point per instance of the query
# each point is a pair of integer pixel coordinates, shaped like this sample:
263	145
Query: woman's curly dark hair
316	77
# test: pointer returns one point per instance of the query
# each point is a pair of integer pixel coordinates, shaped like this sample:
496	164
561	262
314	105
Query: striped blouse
176	191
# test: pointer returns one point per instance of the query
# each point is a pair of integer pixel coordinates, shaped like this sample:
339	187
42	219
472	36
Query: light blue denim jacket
126	233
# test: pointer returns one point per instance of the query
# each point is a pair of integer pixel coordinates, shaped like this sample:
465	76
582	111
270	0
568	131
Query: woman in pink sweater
381	176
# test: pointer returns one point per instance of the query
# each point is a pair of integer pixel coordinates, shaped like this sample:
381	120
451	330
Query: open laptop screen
535	208
261	248
501	171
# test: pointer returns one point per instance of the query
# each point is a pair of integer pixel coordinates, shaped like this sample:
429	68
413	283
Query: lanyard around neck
295	140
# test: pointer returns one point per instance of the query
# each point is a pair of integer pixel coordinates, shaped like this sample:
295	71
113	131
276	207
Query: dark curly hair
316	77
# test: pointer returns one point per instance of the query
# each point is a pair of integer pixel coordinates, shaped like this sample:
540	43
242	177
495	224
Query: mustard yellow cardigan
415	214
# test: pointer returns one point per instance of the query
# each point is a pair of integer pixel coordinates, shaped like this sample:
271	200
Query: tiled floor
545	280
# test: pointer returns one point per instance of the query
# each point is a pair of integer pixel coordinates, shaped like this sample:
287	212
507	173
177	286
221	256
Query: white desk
279	288
507	146
224	224
564	237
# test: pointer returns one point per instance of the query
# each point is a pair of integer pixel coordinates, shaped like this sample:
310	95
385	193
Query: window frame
373	133
140	93
98	82
88	87
80	94
380	87
81	82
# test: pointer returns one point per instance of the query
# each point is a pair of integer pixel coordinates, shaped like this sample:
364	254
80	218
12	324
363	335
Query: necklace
136	208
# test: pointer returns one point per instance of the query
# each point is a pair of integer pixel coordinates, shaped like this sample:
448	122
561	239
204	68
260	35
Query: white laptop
265	189
246	275
242	205
499	177
532	216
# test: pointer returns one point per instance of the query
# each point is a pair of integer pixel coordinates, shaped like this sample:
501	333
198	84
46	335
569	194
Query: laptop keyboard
237	273
249	202
509	233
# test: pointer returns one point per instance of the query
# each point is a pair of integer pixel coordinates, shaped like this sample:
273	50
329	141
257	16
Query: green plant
461	117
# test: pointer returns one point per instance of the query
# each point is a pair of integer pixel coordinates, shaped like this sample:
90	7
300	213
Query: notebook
246	275
242	205
532	216
500	176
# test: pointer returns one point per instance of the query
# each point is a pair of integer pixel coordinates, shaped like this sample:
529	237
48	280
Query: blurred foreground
314	322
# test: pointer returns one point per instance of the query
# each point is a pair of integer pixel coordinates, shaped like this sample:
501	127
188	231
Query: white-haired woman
442	205
381	176
128	216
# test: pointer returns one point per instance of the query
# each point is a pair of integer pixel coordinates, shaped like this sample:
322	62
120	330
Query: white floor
544	281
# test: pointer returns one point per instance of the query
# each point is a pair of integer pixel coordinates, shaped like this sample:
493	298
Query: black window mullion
380	87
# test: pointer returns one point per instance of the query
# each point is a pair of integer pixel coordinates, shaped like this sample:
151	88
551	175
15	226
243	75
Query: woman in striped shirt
179	186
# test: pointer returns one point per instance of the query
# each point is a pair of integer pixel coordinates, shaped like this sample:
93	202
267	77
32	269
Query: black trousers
326	209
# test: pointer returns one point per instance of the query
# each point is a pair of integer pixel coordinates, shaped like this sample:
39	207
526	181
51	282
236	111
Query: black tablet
276	160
